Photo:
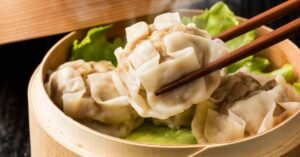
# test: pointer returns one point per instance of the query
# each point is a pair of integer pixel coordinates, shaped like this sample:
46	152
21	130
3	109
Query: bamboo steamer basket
52	133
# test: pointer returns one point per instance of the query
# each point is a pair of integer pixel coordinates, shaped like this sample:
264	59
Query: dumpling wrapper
222	128
166	20
256	111
85	91
250	115
137	31
148	64
198	122
209	126
65	81
183	119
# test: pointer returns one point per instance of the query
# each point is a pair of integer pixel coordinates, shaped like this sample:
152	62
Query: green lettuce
286	71
296	85
253	64
153	134
217	19
259	65
95	46
239	64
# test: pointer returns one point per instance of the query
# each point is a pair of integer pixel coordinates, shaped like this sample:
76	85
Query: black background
18	60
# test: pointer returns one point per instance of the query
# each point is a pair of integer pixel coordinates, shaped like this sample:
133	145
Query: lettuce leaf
258	65
296	85
253	64
217	19
286	71
220	18
95	47
153	134
236	66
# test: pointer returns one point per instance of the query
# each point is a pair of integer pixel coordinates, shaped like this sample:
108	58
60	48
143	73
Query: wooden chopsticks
259	44
266	17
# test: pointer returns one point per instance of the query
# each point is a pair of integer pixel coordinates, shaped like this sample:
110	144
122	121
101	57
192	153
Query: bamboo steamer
52	133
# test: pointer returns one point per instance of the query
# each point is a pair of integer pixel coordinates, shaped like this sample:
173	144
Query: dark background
18	61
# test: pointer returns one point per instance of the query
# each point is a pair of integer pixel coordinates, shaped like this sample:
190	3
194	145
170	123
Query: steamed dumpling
183	119
85	91
152	58
244	104
229	127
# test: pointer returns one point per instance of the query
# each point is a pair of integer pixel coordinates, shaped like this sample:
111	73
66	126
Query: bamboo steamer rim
40	77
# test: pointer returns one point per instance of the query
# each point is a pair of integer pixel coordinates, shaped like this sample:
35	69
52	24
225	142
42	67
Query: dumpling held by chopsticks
160	53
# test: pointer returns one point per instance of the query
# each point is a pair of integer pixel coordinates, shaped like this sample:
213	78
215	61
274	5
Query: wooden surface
27	19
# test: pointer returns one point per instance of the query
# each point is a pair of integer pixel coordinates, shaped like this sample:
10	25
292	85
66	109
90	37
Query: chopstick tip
158	92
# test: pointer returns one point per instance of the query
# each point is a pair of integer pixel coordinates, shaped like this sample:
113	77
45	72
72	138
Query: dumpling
85	91
258	111
151	59
183	119
199	120
209	126
229	127
244	104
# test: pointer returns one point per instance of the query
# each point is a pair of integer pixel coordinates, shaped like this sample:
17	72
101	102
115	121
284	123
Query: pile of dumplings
218	107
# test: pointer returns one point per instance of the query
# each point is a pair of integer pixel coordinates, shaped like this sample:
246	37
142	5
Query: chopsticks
259	44
266	17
